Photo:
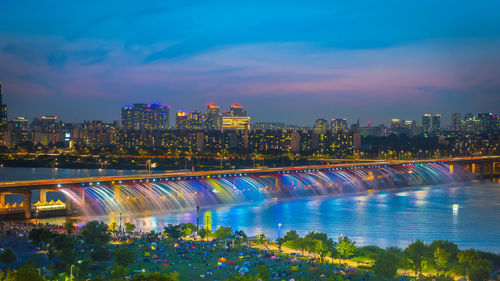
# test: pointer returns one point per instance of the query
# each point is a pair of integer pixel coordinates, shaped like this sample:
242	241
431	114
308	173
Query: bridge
482	167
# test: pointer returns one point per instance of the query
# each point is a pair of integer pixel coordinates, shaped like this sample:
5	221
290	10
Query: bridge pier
27	204
279	182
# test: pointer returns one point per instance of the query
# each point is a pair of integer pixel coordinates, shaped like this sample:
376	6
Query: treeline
440	257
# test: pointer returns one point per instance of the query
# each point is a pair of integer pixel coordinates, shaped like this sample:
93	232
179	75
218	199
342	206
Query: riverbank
224	255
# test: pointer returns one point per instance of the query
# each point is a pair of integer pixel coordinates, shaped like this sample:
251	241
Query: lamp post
279	235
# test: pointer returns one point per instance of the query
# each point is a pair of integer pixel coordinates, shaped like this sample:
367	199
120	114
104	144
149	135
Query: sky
288	61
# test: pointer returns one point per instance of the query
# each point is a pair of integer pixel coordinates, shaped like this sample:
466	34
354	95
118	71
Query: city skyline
290	63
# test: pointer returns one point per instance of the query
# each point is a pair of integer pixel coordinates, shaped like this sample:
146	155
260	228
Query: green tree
8	257
290	235
441	259
223	232
173	231
41	236
240	235
64	247
188	229
416	252
386	265
24	274
95	233
346	248
119	272
124	256
129	227
155	277
477	268
68	226
204	233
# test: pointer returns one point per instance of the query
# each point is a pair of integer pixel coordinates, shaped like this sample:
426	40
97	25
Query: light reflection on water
386	218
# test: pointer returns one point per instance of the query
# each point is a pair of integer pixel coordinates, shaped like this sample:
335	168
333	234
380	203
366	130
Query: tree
346	248
477	268
68	225
41	236
386	265
441	259
129	227
204	233
95	233
124	256
8	257
223	232
24	274
290	235
416	252
64	246
155	277
240	235
187	229
173	231
261	238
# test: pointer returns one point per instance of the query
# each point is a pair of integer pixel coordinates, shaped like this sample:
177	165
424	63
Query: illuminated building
237	110
181	120
3	110
436	122
426	123
320	126
141	116
235	123
212	117
456	122
339	124
196	120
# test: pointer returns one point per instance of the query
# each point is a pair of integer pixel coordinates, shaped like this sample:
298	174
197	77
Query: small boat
455	206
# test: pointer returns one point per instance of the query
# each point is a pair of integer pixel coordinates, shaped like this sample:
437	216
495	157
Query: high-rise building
141	116
436	122
238	110
426	123
3	111
181	120
339	124
320	126
212	118
196	120
456	122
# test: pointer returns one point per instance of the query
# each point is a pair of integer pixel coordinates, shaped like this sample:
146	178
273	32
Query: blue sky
291	61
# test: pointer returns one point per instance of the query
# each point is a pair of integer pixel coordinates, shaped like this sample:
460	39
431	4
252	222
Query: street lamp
279	235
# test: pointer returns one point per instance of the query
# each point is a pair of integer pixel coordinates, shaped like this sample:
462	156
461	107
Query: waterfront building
339	124
456	122
237	110
320	126
436	123
181	120
196	120
426	123
3	111
213	117
141	116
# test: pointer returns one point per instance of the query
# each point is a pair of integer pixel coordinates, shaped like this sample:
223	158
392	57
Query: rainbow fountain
187	193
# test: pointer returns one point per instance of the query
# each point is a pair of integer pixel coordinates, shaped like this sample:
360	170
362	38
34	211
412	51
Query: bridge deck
54	183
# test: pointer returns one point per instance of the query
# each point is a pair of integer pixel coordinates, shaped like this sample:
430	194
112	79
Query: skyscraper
3	111
213	117
436	122
238	110
181	120
426	123
141	116
456	123
320	126
196	120
339	124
